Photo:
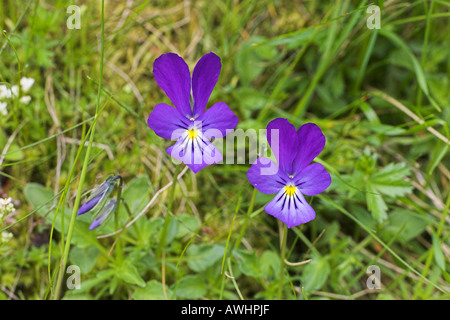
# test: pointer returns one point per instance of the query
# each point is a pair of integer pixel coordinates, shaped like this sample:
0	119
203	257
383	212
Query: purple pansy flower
189	123
294	176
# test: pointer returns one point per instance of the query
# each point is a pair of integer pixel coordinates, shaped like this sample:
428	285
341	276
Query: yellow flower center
192	133
290	190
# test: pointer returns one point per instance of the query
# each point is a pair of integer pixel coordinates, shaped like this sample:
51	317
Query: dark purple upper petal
217	120
310	144
282	138
173	77
204	78
312	180
265	176
167	122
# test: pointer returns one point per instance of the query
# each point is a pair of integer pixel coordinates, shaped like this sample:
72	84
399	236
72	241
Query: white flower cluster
8	93
6	207
5	237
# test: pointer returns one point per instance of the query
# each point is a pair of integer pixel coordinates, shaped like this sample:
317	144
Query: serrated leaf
391	180
376	204
128	273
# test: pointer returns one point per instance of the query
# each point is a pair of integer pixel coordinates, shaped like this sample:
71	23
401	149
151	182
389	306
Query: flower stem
247	218
168	213
283	238
84	169
161	251
119	251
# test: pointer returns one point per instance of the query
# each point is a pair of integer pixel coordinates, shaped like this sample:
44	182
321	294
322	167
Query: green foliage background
381	97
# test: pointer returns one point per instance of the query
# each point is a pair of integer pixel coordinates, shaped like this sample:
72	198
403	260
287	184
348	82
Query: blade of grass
85	164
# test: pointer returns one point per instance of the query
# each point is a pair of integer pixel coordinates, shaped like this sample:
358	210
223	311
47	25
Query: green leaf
412	224
201	257
186	224
376	204
152	291
270	264
388	182
37	196
251	59
439	151
249	263
391	180
85	258
14	156
136	194
86	285
171	231
315	274
438	254
191	287
128	273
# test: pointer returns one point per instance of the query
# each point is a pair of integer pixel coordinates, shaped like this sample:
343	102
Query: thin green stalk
234	281
367	54
431	250
85	165
17	23
222	286
161	251
119	250
64	193
229	233
168	217
130	216
247	218
424	48
283	234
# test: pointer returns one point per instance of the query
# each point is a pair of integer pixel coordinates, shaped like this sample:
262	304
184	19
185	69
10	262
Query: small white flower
3	110
5	92
5	201
25	99
15	90
26	83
